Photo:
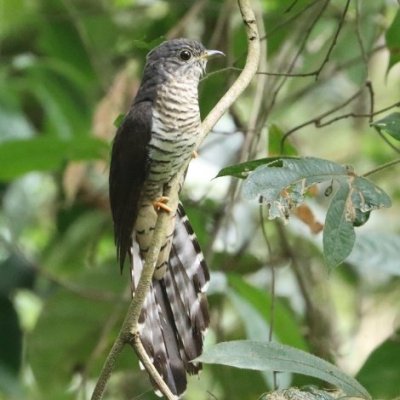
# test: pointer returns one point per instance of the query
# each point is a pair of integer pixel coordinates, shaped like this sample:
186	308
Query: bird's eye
185	55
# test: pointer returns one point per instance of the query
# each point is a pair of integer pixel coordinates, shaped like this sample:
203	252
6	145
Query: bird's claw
160	204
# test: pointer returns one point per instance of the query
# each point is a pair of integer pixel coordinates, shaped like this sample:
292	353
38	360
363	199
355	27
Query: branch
129	329
245	76
382	167
335	37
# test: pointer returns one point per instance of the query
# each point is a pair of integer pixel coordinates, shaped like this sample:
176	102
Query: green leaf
392	41
339	235
282	183
380	373
242	170
283	187
10	337
286	328
390	124
266	356
16	272
352	203
275	135
61	40
118	121
70	327
256	329
65	107
71	246
366	196
18	157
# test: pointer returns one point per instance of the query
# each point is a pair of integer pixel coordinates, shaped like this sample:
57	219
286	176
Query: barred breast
176	123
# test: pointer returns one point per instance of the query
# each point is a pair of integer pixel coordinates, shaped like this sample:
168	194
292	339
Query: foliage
325	99
276	357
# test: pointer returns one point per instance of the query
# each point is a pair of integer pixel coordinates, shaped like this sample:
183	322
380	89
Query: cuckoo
156	138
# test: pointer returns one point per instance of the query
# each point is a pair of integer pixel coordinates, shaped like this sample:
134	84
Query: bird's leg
195	154
160	204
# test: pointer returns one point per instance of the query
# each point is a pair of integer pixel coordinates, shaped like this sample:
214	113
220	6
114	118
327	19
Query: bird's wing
128	171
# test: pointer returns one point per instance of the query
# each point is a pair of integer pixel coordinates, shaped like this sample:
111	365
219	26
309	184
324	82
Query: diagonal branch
129	330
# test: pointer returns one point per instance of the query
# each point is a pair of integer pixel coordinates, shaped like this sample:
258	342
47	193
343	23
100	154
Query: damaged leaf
339	235
283	188
283	182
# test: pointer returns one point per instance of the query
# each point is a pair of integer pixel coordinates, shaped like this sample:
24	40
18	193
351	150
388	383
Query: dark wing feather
128	171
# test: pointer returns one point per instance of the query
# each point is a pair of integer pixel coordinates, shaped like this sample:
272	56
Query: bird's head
181	58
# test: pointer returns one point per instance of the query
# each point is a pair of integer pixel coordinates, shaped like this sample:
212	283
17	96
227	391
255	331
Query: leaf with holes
283	187
353	201
339	235
282	183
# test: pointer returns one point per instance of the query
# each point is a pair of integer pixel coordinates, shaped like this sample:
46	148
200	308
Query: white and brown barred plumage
155	139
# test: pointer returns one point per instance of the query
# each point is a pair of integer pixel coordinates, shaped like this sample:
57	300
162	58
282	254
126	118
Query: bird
156	138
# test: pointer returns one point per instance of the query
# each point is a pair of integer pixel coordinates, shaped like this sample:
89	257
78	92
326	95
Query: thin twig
382	167
371	101
334	40
301	47
129	330
317	120
189	16
280	25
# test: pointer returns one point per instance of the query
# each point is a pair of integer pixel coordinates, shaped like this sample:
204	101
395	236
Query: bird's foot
160	204
195	154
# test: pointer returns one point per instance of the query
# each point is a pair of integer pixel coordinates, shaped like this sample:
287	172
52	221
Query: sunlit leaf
270	356
390	124
17	157
392	41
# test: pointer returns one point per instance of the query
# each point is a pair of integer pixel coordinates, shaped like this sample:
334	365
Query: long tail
175	315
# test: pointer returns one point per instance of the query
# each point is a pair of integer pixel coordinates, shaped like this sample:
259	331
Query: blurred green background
69	68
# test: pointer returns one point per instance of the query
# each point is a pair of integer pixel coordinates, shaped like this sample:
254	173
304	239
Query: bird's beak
213	53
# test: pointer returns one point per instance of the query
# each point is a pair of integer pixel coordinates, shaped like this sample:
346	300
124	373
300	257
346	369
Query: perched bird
155	139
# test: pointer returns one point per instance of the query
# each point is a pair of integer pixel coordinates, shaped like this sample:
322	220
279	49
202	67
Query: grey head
184	58
177	59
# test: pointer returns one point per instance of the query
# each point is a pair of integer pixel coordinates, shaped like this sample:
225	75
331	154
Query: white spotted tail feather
175	315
